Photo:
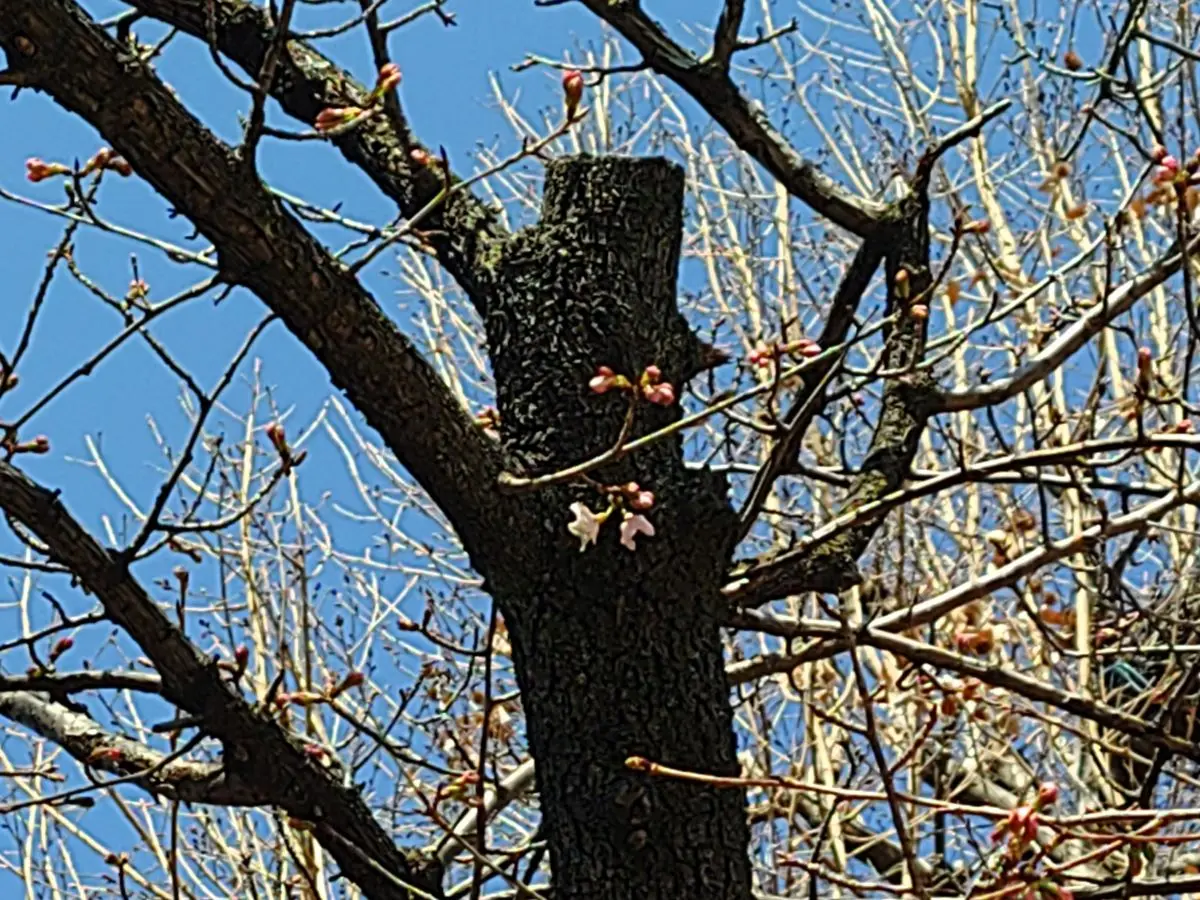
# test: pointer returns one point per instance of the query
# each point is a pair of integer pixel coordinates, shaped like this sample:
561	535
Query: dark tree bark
618	653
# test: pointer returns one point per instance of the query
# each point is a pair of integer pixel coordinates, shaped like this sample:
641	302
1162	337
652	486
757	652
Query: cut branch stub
593	284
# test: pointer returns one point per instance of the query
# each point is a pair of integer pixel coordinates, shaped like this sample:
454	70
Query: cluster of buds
979	641
333	689
650	384
974	226
387	80
1021	825
1058	173
764	354
106	158
61	646
317	753
1001	542
120	860
586	524
488	420
633	495
138	291
334	118
108	755
572	85
422	157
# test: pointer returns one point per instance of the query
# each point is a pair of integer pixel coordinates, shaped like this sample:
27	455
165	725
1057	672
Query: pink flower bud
277	436
572	83
979	226
39	170
100	161
1047	795
761	355
653	374
61	646
353	679
335	116
241	656
1144	357
1158	153
807	348
389	77
603	381
40	444
641	499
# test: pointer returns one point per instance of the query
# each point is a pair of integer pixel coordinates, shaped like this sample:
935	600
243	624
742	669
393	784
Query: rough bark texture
618	653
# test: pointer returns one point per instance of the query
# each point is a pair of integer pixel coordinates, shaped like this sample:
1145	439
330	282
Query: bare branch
711	87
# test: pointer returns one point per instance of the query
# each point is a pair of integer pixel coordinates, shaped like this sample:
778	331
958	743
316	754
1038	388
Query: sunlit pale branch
86	741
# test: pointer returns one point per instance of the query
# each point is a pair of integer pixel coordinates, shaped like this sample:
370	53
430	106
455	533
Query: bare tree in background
884	428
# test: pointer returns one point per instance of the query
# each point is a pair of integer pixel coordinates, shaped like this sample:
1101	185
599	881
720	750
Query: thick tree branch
725	37
85	739
86	680
710	85
462	230
257	749
263	248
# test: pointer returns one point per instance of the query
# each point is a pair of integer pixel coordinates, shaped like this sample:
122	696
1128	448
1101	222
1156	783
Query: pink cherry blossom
633	525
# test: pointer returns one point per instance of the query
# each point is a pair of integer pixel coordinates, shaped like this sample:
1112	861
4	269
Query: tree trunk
617	653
